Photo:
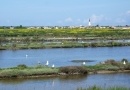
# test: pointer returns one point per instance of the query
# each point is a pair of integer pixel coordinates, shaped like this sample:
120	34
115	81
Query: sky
64	12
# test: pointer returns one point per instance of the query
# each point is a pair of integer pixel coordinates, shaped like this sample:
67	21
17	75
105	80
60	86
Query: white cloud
124	18
69	19
97	18
120	20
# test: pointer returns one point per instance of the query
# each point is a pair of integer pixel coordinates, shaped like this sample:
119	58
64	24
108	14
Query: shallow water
67	82
61	56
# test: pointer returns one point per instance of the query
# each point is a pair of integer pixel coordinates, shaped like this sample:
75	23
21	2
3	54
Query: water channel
63	57
67	82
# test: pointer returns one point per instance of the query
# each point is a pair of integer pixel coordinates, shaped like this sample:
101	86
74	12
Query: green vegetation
117	33
73	70
61	38
83	61
41	70
101	88
109	65
38	71
24	71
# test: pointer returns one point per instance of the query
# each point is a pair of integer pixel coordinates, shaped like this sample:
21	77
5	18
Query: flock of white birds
46	64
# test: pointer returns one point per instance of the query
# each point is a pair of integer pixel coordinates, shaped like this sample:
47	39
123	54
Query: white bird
84	63
53	66
47	63
26	55
124	62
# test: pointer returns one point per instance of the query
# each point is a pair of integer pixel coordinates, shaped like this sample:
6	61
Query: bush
112	62
94	88
21	66
124	60
127	67
101	88
73	70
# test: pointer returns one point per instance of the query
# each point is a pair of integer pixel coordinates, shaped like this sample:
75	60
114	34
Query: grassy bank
61	38
101	88
24	71
109	66
77	32
38	45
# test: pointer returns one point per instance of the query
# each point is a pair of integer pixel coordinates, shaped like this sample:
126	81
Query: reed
101	88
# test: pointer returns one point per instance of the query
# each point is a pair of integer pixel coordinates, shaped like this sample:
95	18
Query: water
61	56
67	82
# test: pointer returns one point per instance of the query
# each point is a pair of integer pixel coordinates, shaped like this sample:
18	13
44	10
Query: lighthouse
89	23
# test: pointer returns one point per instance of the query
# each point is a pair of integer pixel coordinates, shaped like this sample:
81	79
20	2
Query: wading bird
53	66
47	63
84	63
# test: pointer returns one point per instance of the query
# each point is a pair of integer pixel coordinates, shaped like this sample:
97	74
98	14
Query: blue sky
64	12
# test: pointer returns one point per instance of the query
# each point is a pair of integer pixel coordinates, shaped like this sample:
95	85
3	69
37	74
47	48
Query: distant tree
97	25
20	26
1	27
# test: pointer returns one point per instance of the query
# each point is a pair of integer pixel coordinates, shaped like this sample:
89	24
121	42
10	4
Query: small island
23	71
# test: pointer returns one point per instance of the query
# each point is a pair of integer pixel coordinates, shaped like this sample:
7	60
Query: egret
26	55
47	63
53	66
124	62
84	63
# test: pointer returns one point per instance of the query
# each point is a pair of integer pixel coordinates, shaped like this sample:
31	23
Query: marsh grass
102	67
38	70
101	88
30	38
22	70
109	65
73	70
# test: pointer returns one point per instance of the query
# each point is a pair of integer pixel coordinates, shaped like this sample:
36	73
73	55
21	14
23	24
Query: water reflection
66	82
53	78
73	77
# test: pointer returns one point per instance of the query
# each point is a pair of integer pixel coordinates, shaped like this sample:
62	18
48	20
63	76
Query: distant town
89	26
65	27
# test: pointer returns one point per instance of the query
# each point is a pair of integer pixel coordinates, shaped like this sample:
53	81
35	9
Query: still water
61	56
67	82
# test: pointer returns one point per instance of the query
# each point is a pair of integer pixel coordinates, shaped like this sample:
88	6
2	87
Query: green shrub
94	88
95	67
73	70
127	67
112	62
102	67
124	60
100	88
22	66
